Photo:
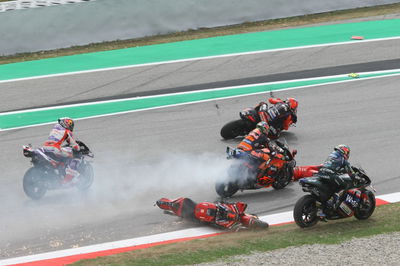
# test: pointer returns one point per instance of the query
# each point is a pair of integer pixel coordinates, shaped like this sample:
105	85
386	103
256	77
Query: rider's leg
71	171
304	171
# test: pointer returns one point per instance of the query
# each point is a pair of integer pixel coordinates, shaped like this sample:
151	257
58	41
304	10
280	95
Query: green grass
384	220
211	32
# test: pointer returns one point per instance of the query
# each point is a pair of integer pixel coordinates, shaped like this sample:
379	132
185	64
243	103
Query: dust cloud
123	185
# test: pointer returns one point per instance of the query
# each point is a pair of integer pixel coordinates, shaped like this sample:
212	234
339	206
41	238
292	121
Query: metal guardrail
23	4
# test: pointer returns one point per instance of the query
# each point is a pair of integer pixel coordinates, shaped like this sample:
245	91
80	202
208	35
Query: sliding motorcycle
249	117
248	173
359	201
220	214
48	174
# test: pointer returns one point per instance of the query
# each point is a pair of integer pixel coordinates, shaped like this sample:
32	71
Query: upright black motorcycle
358	201
47	173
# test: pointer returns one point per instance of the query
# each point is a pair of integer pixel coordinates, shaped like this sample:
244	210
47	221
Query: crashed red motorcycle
48	173
222	215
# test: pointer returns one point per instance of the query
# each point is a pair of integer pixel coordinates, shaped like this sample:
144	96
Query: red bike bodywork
207	212
305	171
270	167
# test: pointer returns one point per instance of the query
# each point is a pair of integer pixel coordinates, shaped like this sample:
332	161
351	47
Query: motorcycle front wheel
86	177
282	182
305	212
365	210
33	184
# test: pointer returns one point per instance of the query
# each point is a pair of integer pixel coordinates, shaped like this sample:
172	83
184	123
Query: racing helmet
66	123
263	127
293	103
344	150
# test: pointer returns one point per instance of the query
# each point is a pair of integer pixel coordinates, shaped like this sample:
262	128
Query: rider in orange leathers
256	139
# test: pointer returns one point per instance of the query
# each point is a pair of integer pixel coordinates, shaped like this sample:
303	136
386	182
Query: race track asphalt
177	151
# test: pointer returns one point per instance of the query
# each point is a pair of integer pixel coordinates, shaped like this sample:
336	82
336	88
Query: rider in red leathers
61	145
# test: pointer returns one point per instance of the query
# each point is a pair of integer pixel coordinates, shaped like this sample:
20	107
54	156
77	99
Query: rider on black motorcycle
61	146
280	115
336	165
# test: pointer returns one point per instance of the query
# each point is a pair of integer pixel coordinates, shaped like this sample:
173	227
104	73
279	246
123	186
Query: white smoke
172	175
123	185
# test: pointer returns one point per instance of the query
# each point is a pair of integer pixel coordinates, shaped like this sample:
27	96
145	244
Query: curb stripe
72	259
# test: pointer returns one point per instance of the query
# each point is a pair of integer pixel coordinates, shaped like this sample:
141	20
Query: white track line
194	102
388	72
199	58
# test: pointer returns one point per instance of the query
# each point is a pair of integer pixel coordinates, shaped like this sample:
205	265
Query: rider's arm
275	100
72	141
262	111
349	170
287	122
294	118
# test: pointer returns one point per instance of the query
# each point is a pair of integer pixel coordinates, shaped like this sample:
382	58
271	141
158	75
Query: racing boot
320	212
337	199
166	204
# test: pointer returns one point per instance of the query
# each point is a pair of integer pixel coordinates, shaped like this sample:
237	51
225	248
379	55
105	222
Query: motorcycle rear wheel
33	184
363	212
86	177
305	212
226	190
235	128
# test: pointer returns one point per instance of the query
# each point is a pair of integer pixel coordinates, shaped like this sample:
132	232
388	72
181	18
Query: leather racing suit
332	169
60	145
279	116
